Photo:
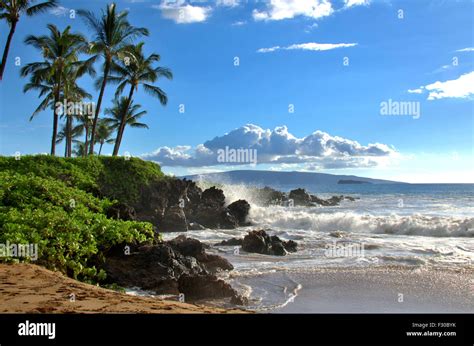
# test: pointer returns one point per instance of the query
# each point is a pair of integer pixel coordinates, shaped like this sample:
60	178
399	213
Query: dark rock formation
174	220
177	266
261	242
121	211
268	196
239	209
300	197
175	205
297	197
231	242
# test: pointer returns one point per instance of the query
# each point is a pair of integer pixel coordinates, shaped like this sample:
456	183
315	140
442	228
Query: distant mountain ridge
272	178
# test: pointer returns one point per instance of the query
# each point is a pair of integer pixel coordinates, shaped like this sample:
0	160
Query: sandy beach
27	288
383	290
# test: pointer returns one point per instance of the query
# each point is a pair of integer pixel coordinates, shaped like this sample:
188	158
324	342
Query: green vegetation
61	203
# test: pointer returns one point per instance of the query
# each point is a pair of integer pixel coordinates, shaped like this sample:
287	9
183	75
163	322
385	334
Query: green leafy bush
116	178
67	223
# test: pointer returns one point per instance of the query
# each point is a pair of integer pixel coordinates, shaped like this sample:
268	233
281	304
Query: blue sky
333	62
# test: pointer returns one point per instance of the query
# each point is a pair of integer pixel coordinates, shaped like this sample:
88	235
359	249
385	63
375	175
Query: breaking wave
315	219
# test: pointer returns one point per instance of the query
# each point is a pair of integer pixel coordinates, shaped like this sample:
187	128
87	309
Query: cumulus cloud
182	12
313	46
318	149
287	9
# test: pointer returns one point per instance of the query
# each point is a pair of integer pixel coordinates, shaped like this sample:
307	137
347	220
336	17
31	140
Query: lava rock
260	242
240	210
300	197
231	242
121	211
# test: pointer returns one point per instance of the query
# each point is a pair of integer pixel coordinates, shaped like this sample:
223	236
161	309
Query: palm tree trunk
86	140
55	117
55	131
123	122
100	148
97	109
7	48
69	135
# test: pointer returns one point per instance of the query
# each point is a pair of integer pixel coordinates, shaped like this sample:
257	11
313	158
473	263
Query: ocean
388	225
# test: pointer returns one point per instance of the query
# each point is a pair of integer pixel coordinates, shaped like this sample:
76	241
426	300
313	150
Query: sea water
414	225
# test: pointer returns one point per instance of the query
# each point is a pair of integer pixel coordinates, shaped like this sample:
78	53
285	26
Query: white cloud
269	50
350	3
182	12
416	91
469	49
278	147
239	23
287	9
461	87
313	46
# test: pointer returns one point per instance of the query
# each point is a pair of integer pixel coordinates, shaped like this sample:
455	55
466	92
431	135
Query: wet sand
383	290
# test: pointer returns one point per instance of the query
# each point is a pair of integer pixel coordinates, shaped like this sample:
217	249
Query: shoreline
389	289
29	288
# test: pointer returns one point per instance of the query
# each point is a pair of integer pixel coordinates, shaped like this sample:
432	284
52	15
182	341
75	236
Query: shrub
67	223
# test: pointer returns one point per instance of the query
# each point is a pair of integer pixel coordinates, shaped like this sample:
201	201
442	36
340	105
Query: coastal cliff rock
175	205
177	266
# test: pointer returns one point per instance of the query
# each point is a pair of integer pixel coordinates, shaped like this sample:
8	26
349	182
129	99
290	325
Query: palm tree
85	123
112	34
11	10
80	149
139	71
74	94
116	111
103	134
60	52
67	132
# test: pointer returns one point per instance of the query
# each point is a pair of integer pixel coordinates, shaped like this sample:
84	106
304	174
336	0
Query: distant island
350	181
278	179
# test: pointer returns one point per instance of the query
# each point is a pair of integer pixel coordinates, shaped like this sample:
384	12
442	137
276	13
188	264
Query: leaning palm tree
104	134
112	34
139	71
11	11
60	51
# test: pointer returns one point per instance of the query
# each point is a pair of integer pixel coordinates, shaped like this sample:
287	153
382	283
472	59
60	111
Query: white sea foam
314	219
